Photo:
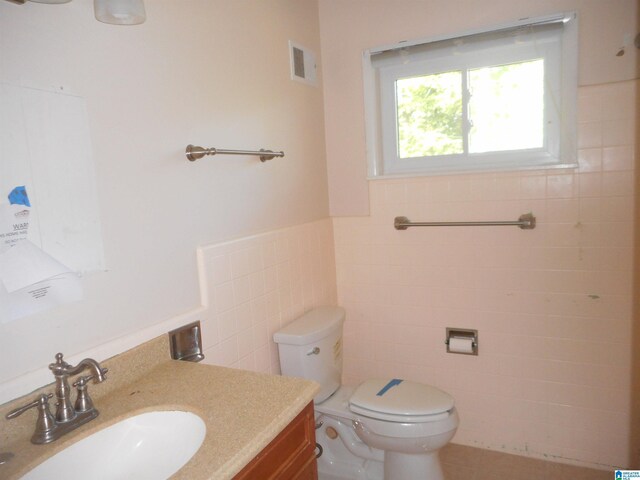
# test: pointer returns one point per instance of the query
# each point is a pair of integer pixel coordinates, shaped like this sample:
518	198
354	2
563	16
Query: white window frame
559	149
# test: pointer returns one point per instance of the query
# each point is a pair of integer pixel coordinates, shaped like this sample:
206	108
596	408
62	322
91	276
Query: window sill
476	171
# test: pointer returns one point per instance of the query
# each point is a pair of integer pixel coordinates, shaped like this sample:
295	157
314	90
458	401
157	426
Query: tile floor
468	463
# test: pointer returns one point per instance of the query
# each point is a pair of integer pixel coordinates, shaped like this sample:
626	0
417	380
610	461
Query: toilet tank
311	347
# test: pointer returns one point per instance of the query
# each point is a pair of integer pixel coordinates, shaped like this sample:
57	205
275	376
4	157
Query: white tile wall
256	285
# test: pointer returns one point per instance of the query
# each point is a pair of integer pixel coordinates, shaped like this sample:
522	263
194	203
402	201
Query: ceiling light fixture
115	12
120	12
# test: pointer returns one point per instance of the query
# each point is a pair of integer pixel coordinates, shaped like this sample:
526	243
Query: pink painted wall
552	305
213	73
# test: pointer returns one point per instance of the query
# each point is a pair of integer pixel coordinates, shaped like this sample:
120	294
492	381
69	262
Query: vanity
257	425
290	455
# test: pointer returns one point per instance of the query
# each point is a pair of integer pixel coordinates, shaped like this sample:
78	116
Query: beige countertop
243	410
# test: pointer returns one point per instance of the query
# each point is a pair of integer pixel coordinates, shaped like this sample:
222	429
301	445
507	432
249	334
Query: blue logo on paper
627	474
391	384
18	196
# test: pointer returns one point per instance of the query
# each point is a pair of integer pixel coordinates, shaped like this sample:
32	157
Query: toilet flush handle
315	351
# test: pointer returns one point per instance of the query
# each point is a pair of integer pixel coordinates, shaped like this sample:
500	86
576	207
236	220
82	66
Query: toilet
389	429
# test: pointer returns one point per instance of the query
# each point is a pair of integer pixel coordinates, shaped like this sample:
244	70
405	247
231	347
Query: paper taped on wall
30	280
45	146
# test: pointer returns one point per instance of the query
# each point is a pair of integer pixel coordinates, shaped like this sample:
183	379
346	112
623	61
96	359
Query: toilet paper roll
461	345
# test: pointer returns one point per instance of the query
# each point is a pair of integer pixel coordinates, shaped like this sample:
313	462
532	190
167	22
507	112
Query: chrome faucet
65	411
68	416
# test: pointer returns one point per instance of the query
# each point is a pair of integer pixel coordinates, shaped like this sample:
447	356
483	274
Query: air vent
303	64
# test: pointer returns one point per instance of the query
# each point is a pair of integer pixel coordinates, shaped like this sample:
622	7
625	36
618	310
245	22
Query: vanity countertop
243	412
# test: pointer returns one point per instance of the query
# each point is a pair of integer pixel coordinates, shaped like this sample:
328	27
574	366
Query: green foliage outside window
506	110
429	115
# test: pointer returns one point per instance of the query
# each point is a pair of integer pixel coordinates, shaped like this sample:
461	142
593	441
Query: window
488	100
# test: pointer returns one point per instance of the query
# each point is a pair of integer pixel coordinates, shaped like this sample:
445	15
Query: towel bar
194	153
525	222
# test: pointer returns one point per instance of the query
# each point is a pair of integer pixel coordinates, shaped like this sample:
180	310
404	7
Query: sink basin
152	445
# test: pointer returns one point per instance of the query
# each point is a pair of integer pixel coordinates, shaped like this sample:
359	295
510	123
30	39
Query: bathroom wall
256	285
553	305
349	28
214	73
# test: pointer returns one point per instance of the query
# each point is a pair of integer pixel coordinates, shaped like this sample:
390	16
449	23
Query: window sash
500	55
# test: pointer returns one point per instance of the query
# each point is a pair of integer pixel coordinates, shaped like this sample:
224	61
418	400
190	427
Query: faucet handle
45	424
41	401
83	400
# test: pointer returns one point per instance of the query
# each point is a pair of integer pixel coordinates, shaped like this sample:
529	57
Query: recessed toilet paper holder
462	340
186	342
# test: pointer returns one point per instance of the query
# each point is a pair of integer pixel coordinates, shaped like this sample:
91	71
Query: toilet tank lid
401	397
311	327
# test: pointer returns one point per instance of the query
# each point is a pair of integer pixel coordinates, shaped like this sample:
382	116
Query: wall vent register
303	64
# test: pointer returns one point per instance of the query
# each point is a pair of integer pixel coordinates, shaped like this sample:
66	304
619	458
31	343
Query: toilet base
407	466
345	457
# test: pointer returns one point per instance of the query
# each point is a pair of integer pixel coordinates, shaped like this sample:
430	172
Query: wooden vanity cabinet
291	455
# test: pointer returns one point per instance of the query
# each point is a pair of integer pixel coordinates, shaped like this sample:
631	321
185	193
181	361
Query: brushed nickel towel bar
194	153
525	222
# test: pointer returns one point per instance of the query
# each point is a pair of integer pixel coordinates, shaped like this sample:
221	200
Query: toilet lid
396	397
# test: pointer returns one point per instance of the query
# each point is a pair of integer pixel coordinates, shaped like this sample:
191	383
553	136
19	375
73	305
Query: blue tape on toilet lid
401	397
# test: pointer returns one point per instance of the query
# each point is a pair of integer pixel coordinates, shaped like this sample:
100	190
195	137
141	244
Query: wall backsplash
249	288
552	305
256	285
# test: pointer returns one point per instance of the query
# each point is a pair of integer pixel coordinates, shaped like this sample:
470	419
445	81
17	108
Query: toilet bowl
384	428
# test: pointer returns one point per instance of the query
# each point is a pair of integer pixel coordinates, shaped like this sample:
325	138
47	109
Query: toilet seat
337	406
446	423
402	401
399	418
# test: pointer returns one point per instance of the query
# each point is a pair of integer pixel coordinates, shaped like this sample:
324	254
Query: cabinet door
309	471
291	455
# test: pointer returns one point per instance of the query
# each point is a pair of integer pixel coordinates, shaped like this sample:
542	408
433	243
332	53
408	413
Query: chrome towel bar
194	153
525	222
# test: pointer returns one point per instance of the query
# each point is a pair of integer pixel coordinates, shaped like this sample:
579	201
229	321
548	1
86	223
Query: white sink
152	445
